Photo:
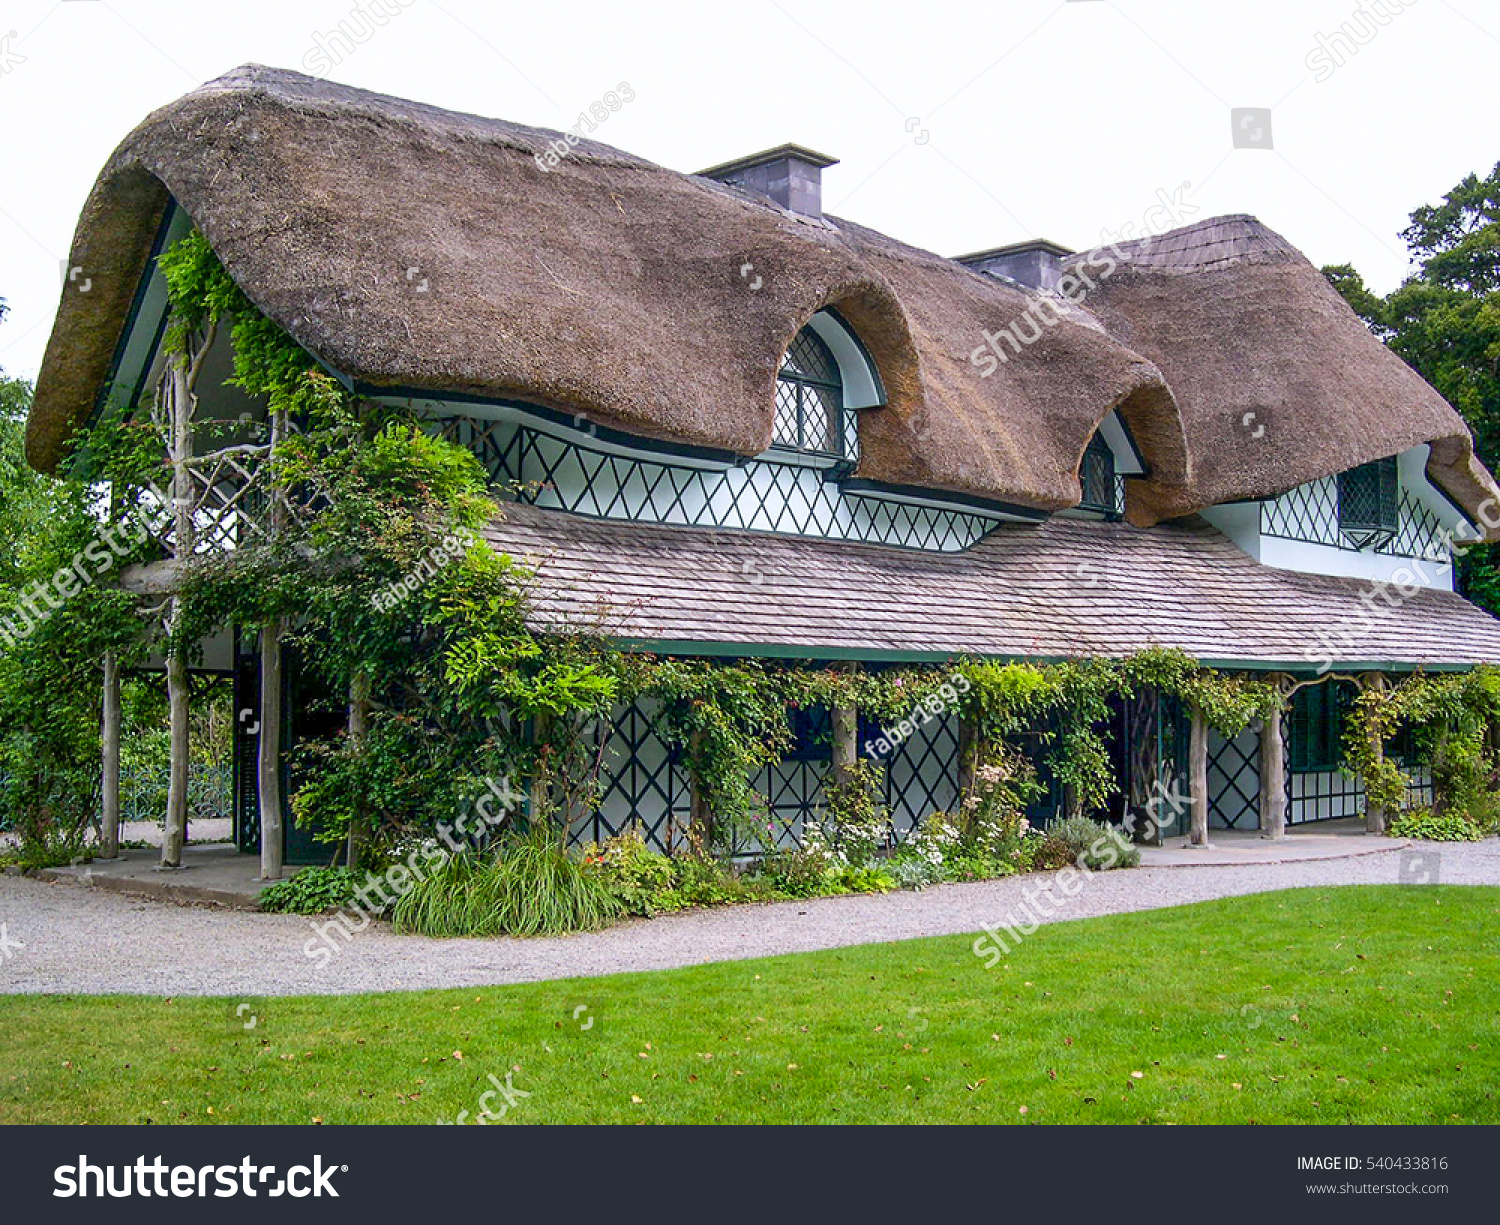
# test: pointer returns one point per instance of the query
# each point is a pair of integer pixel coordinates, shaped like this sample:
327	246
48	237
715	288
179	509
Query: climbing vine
1450	720
461	683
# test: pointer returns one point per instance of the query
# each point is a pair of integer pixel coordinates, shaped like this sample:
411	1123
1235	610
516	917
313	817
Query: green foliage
642	880
1444	320
383	576
1094	845
864	878
1450	718
857	819
527	886
311	891
1429	826
51	644
992	817
705	881
799	872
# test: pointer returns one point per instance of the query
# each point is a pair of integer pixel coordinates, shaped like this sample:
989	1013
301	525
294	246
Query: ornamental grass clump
528	886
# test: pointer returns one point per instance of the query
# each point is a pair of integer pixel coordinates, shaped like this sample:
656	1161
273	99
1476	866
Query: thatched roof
613	288
1066	588
607	286
1277	380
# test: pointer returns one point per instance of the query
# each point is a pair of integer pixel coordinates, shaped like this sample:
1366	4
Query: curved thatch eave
1277	380
607	286
112	245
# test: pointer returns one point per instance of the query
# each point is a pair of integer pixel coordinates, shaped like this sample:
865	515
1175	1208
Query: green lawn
1371	1004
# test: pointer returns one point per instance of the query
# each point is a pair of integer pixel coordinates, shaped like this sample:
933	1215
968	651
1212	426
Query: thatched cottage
753	429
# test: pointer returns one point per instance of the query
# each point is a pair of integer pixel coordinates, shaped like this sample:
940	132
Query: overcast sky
957	126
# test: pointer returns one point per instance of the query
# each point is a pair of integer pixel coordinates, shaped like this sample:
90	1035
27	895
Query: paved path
88	940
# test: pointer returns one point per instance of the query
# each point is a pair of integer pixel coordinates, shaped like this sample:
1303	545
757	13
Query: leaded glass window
1098	477
1369	503
809	398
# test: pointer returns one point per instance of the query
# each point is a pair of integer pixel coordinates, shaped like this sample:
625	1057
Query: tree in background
1445	322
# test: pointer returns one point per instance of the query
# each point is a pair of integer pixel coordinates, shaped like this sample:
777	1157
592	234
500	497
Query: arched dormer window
1097	476
810	398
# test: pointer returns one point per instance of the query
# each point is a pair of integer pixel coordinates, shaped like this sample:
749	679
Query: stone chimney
788	175
1036	263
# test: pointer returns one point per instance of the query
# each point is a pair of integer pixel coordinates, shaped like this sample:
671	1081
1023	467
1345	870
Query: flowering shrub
632	872
993	815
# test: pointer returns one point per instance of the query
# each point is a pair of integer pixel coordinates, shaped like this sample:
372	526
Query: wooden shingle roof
1066	588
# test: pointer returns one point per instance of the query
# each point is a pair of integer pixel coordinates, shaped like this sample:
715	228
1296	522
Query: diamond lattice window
1369	503
1098	477
810	398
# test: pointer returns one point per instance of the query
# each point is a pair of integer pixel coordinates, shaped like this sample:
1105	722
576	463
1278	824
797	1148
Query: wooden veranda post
1198	777
359	736
1376	815
700	811
180	396
845	741
109	738
1273	772
268	762
968	757
268	759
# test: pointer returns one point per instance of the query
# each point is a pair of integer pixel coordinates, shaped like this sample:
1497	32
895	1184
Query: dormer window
810	398
1369	503
1097	476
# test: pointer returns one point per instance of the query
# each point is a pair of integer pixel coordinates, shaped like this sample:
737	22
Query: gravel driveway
81	940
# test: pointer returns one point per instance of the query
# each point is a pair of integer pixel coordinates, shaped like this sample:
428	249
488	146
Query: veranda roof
1065	588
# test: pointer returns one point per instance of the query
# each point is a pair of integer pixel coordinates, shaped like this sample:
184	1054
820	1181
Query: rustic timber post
1198	777
845	741
540	793
109	739
700	812
179	390
359	736
268	756
268	761
1376	815
1273	771
968	757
